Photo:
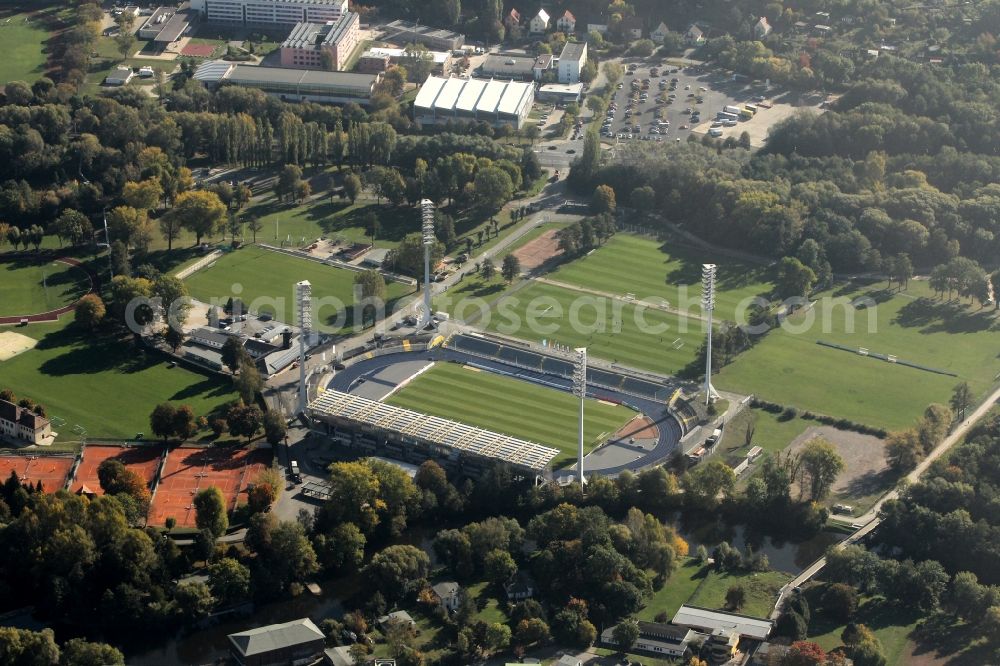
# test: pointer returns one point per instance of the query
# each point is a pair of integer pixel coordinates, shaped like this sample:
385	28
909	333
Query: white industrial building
270	12
571	62
442	100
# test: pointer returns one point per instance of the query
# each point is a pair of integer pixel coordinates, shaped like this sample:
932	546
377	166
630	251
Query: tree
961	398
248	382
372	226
820	464
260	497
603	200
228	580
804	653
144	195
201	212
194	600
344	546
233	354
254	225
352	187
840	601
89	311
488	269
510	268
903	450
78	652
736	597
289	179
161	420
395	569
244	420
22	647
72	225
703	485
493	188
274	427
499	567
210	511
626	633
795	279
371	285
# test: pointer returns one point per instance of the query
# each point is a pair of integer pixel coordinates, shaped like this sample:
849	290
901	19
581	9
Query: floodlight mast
708	272
303	294
580	390
427	219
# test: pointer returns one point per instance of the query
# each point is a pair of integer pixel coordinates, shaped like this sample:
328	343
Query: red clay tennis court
198	50
50	470
140	459
189	470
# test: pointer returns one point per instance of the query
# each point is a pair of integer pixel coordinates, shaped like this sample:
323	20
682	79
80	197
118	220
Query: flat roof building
709	621
166	25
408	435
571	62
433	38
508	67
561	92
325	46
378	59
270	12
497	102
291	85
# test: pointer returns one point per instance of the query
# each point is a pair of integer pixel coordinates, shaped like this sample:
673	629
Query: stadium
476	399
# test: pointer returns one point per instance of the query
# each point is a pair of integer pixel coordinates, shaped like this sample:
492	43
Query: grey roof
254	74
712	620
339	656
508	65
174	27
275	637
208	336
445	589
310	35
573	51
279	360
397	616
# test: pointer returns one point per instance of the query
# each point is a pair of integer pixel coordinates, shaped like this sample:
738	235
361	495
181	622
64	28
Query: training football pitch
30	286
24	43
647	339
253	273
511	406
652	270
788	366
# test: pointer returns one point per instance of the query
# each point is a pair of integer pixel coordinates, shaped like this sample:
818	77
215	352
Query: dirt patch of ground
866	470
12	344
641	427
537	252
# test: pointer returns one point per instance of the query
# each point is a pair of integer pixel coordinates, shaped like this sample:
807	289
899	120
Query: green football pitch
267	277
29	286
511	406
652	270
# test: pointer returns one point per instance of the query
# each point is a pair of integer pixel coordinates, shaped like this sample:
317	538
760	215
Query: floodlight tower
708	305
303	296
427	218
580	390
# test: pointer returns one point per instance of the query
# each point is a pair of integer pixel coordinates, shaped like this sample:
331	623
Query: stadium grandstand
373	426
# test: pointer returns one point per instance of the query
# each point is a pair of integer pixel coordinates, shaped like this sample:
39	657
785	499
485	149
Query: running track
53	315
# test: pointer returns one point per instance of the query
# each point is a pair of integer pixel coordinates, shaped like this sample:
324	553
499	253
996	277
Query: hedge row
789	412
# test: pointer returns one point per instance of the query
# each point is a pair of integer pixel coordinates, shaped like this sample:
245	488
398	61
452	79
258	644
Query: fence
336	263
198	265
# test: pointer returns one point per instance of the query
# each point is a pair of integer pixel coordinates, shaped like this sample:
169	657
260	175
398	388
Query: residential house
660	33
22	424
761	28
694	35
566	22
512	19
298	641
631	27
599	28
448	595
401	617
540	23
519	588
571	62
119	76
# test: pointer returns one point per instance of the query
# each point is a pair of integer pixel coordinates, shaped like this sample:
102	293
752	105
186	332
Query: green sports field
652	270
24	42
102	383
269	278
790	368
510	406
31	286
650	339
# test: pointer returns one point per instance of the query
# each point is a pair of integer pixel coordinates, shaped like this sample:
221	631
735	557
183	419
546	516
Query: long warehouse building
266	13
404	434
289	84
443	100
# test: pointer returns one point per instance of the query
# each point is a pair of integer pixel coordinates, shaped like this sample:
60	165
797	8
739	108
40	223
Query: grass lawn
269	278
665	343
678	589
103	384
770	433
761	590
24	42
511	406
29	286
463	298
487	606
653	270
788	367
891	623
